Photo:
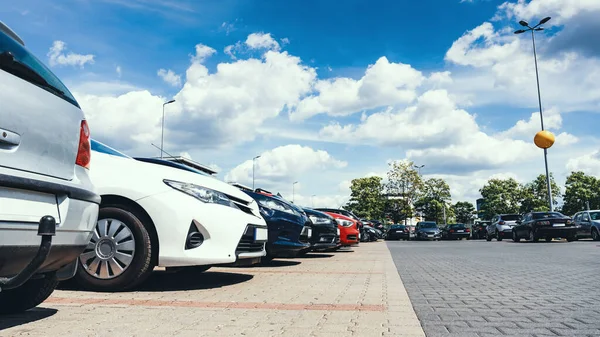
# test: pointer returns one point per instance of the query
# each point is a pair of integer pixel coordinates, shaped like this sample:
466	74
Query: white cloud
559	10
384	83
118	70
169	77
185	155
202	53
57	56
588	163
284	163
262	40
228	27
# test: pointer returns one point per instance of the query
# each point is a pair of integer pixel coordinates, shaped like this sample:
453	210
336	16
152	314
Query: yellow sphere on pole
544	139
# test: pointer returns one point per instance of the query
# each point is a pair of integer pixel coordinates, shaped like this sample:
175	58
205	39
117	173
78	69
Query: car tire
532	236
27	296
140	267
515	237
595	234
498	238
487	237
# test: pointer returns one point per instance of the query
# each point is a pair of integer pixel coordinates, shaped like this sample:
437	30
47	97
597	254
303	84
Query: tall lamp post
162	129
253	161
294	191
313	200
543	139
419	168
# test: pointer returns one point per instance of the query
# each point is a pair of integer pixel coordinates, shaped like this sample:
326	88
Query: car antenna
170	155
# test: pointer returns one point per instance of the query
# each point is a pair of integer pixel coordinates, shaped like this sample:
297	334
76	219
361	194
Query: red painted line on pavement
230	305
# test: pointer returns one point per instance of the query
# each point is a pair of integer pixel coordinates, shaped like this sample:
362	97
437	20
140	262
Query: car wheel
119	255
29	295
515	237
532	236
595	234
488	237
498	238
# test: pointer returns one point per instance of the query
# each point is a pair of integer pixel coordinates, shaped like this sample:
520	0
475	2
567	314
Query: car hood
104	167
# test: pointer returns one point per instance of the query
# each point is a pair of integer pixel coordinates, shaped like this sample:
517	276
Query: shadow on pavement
347	250
315	256
276	263
36	314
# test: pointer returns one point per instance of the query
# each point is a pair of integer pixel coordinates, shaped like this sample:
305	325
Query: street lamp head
520	31
169	102
256	157
539	28
544	20
524	23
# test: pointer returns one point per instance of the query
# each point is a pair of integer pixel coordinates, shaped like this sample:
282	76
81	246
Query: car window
543	215
457	226
99	147
595	215
585	217
22	55
511	217
577	217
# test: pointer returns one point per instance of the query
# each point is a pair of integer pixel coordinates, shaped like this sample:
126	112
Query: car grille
327	238
247	243
351	237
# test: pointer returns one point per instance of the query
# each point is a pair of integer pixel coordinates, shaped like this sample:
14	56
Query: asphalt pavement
479	288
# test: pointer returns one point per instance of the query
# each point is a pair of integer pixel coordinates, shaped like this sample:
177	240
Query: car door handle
9	139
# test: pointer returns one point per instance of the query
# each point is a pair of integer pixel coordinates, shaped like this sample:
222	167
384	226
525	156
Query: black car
289	229
427	230
456	231
398	232
324	231
548	225
479	230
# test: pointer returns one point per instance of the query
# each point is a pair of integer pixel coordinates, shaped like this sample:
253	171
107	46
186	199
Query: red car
348	229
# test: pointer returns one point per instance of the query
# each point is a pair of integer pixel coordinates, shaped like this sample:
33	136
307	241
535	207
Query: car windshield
17	60
428	225
595	215
547	215
102	148
511	217
457	226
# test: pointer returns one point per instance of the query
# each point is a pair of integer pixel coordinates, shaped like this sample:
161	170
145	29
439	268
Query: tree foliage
463	211
366	198
433	199
402	188
534	195
500	196
579	189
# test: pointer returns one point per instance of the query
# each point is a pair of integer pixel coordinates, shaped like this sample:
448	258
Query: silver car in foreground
48	206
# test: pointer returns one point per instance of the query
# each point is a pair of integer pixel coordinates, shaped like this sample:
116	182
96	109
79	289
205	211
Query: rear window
547	215
457	226
397	227
511	217
22	55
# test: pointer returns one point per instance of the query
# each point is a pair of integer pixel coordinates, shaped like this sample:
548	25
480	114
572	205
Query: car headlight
345	223
276	205
319	221
201	193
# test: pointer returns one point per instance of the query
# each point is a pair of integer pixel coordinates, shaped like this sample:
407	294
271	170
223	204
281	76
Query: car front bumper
224	230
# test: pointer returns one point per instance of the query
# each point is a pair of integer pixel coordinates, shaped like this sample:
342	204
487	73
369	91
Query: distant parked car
455	232
427	230
48	204
501	226
398	232
289	229
154	215
324	231
547	225
479	230
588	224
346	214
371	233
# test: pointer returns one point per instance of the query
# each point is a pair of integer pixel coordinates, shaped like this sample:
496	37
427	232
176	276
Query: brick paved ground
338	294
478	288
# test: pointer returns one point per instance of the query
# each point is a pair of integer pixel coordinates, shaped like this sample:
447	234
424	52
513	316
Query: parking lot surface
356	292
478	288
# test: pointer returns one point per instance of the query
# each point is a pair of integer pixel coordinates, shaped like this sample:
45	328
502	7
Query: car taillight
543	223
501	222
467	230
452	231
84	149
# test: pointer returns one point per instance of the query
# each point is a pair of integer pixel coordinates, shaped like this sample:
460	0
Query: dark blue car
324	231
289	228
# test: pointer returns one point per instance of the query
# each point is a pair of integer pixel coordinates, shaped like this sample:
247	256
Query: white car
48	205
154	215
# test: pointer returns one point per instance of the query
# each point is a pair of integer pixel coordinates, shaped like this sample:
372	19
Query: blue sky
457	64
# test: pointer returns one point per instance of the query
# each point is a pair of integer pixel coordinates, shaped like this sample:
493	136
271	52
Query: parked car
501	226
547	225
370	233
153	215
348	229
324	231
426	230
289	229
398	232
44	179
455	232
479	230
588	224
346	214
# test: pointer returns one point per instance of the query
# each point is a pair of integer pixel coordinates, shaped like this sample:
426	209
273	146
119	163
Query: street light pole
313	200
162	129
253	161
537	77
419	168
294	191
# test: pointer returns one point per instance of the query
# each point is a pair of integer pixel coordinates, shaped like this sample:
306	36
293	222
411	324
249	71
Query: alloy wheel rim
110	251
531	236
595	235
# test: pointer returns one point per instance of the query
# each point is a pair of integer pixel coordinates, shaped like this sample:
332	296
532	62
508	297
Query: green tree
433	200
534	195
463	210
366	198
579	189
402	189
500	196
